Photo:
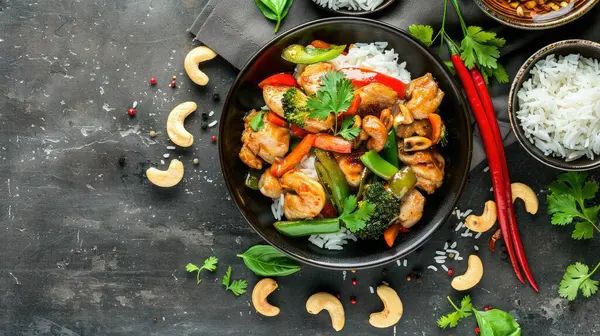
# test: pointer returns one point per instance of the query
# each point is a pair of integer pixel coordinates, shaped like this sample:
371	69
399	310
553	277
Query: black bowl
349	12
586	49
245	95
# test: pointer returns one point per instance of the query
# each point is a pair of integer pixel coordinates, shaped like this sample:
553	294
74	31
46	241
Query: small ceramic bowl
348	12
586	49
501	11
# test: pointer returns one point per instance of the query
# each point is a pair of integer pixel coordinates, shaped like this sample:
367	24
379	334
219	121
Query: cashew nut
522	191
404	117
374	128
166	178
193	59
392	308
471	277
485	221
260	292
320	301
175	129
386	118
416	143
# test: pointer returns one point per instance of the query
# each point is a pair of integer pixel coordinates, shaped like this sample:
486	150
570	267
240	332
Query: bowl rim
552	23
522	74
381	7
414	245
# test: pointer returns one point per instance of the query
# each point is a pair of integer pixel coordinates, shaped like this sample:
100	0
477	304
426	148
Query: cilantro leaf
563	208
480	47
191	267
583	230
347	130
334	96
257	122
577	277
210	264
423	33
356	219
451	320
237	287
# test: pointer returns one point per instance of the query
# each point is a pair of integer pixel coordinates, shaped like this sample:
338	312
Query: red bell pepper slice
297	131
294	157
276	119
329	211
333	143
280	79
352	110
361	77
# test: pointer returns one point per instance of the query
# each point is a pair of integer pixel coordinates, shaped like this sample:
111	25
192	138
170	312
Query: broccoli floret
294	106
386	208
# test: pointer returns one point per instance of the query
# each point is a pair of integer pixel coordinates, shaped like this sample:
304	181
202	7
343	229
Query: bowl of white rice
554	105
353	7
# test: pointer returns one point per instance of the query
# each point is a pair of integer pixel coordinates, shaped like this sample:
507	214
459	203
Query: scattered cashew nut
320	301
485	221
471	277
260	292
166	178
522	191
392	308
175	129
416	143
193	59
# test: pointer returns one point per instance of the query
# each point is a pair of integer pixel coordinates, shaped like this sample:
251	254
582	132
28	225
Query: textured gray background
90	248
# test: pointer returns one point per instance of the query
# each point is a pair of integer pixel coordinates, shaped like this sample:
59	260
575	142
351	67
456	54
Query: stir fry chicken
272	95
267	144
310	78
316	125
417	128
269	185
428	166
425	96
304	197
351	166
411	208
375	97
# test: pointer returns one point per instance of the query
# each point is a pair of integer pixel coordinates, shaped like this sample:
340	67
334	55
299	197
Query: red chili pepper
352	110
494	238
361	77
488	107
328	211
297	131
276	119
333	143
491	150
279	80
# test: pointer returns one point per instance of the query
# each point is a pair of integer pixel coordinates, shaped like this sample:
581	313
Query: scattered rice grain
433	268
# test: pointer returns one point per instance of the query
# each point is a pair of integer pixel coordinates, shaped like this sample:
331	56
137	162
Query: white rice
277	207
307	166
374	56
333	241
366	5
559	106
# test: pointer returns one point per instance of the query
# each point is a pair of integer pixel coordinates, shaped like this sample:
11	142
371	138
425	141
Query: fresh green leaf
226	278
266	11
334	96
450	67
563	208
210	264
583	230
257	122
274	10
347	131
500	74
423	33
496	322
451	320
237	287
480	47
265	260
353	218
577	277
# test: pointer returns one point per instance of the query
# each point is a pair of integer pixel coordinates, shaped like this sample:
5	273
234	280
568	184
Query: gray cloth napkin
236	29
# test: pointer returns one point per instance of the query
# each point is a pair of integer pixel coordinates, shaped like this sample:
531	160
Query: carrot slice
276	119
390	234
294	157
437	126
297	131
333	143
320	44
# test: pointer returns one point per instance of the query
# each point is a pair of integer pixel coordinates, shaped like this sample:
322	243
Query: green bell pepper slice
307	227
252	178
332	178
378	165
390	150
402	182
299	54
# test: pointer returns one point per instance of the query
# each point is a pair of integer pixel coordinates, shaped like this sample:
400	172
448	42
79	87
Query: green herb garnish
356	220
237	287
335	96
266	261
257	122
451	320
210	264
347	131
274	10
493	322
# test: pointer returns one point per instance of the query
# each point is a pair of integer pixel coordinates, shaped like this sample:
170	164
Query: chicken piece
317	125
268	143
417	128
310	78
249	158
375	97
428	166
351	166
269	185
425	96
272	95
411	208
306	197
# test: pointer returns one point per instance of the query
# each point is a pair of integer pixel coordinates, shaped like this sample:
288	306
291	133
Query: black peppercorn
216	97
504	255
204	116
204	125
122	161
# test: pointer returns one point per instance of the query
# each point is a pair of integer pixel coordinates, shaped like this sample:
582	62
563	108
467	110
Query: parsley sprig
210	264
334	96
491	322
577	277
237	287
478	48
348	131
356	219
451	320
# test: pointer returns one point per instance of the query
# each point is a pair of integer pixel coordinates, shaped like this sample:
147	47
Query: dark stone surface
89	247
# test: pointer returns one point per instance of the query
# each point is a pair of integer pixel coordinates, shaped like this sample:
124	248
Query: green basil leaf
286	8
265	260
496	322
265	10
